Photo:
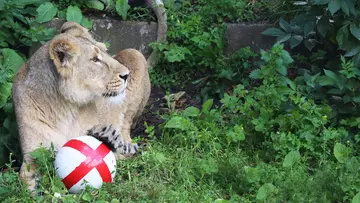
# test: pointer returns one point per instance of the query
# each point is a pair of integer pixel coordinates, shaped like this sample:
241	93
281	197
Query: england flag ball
84	161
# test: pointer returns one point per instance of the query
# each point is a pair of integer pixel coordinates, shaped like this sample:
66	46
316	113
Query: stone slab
119	34
243	35
129	34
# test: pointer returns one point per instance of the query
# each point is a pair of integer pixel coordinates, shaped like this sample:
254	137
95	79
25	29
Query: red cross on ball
84	161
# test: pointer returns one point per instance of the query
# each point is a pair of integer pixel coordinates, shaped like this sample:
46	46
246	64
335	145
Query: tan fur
63	91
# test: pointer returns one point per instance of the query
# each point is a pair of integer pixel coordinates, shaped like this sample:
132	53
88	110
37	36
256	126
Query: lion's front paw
113	139
128	148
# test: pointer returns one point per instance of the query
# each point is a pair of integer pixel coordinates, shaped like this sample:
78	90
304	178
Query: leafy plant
330	25
10	62
18	25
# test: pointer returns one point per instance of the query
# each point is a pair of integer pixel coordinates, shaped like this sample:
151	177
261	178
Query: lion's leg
32	138
114	140
28	172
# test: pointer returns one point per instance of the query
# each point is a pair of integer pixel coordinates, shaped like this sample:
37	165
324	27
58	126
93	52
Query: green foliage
337	18
74	14
10	62
18	26
122	8
46	12
334	76
195	43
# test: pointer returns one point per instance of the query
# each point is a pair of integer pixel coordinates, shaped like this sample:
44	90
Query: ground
157	105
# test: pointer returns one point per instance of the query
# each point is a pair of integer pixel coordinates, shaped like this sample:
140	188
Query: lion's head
85	70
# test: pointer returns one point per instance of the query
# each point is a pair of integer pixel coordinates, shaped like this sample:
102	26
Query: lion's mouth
113	93
114	89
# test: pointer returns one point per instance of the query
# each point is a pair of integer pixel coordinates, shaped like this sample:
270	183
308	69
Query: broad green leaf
341	152
8	108
264	191
237	134
252	174
355	30
62	14
276	32
207	105
2	5
74	14
11	61
321	2
291	158
310	44
86	197
255	74
295	41
334	6
331	75
221	201
3	161
335	91
5	92
191	112
281	69
344	7
176	53
86	22
284	38
226	73
285	25
342	36
356	198
178	122
325	81
352	52
334	77
356	99
5	75
7	123
356	60
95	4
46	12
160	157
309	27
346	99
291	83
323	25
351	5
285	56
122	7
28	2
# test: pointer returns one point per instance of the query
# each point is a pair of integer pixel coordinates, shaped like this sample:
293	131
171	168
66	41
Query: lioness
71	85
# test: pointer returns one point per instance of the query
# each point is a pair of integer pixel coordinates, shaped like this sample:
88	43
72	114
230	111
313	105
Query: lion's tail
160	12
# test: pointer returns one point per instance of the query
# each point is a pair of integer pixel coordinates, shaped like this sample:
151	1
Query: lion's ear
64	53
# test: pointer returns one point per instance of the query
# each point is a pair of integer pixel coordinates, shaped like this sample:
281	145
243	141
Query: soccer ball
84	161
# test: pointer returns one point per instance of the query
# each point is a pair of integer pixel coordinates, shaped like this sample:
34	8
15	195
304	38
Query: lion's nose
124	77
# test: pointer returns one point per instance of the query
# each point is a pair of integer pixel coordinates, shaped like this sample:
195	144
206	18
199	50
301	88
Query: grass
199	159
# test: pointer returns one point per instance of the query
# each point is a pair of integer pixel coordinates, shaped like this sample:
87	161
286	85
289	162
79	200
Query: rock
130	34
243	35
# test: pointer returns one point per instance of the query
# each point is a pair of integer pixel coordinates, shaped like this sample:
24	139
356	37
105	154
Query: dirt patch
158	106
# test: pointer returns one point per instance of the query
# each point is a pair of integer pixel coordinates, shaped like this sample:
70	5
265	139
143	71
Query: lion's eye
95	59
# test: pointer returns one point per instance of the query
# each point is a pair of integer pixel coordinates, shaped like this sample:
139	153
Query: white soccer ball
84	161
